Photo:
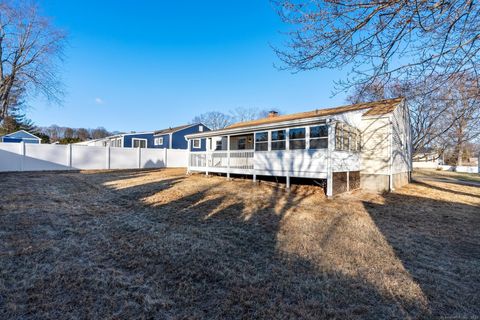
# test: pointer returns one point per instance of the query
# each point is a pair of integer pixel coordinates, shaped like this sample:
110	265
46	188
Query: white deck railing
222	159
293	163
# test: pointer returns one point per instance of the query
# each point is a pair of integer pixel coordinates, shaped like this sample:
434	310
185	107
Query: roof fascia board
269	126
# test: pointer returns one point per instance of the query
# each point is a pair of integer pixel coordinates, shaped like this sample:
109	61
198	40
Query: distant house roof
375	108
21	134
174	129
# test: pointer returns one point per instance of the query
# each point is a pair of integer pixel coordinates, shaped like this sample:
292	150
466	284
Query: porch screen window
319	137
278	140
261	141
297	138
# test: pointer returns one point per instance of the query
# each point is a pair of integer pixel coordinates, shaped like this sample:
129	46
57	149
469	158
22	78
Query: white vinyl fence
432	165
43	157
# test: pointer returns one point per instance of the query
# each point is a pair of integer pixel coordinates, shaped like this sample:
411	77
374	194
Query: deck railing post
228	157
331	141
189	155
207	155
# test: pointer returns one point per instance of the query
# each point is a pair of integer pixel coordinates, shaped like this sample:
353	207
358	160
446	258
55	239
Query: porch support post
189	157
348	181
288	182
254	176
228	157
331	141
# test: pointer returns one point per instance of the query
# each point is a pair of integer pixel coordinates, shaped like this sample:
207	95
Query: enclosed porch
322	151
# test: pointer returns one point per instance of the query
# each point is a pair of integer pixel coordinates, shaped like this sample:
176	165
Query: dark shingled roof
172	129
375	108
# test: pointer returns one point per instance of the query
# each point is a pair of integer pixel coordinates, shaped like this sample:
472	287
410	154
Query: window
278	140
347	138
158	141
296	138
117	143
139	143
319	137
261	141
196	143
200	128
242	143
218	145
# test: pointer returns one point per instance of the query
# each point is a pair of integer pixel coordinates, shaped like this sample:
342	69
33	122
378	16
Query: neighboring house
124	140
21	136
171	138
174	138
366	144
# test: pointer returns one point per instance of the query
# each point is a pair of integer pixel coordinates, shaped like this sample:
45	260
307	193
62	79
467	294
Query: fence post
22	153
107	153
165	158
139	158
69	155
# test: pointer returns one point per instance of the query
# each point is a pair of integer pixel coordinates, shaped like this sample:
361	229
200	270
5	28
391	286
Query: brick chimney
272	114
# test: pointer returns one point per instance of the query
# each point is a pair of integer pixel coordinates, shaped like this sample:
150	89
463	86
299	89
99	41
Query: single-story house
365	145
170	138
21	136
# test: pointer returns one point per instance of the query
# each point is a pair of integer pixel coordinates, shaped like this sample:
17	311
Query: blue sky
145	65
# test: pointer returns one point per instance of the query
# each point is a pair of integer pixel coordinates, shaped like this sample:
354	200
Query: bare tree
246	114
464	113
54	132
68	133
30	50
99	133
382	41
443	119
214	120
82	134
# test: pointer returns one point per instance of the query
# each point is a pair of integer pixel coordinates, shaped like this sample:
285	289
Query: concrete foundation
375	182
381	182
401	179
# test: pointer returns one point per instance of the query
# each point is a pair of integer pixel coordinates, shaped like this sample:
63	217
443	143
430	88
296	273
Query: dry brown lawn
158	244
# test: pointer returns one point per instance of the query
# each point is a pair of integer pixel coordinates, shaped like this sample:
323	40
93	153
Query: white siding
401	140
376	145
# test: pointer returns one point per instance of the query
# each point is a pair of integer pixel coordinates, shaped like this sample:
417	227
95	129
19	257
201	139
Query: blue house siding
178	138
127	139
19	136
16	140
203	146
166	141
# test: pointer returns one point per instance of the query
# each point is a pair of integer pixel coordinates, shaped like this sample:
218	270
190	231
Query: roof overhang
276	125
